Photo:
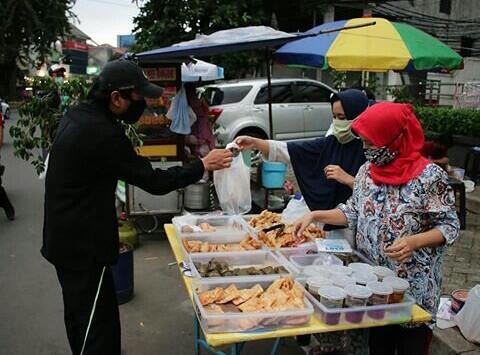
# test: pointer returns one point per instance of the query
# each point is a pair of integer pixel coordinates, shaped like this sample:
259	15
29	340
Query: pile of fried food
221	269
205	227
283	294
197	246
284	236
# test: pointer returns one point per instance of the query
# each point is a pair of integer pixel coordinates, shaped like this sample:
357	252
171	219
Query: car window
280	94
307	92
226	95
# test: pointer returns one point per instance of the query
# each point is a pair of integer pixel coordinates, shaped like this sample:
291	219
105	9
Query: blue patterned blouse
384	213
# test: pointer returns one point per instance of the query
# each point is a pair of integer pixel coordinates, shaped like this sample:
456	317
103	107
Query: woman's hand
401	249
301	224
246	142
335	172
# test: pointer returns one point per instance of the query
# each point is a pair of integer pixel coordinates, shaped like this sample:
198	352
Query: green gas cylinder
127	231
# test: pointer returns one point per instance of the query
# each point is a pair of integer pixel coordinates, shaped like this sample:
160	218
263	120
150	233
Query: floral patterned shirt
384	213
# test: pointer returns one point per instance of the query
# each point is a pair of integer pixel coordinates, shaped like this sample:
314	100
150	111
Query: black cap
124	74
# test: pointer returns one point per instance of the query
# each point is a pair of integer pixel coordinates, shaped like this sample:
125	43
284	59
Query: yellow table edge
419	315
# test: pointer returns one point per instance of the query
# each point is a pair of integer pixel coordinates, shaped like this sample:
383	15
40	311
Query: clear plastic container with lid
339	269
381	292
364	277
360	267
382	272
314	270
342	280
399	285
332	297
356	296
315	282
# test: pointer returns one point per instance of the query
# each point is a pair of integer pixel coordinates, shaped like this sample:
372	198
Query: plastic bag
181	114
468	319
233	187
295	209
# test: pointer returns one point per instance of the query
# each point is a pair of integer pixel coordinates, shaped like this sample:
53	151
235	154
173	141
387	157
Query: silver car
301	108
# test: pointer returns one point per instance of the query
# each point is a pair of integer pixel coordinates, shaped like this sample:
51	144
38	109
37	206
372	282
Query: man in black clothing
80	233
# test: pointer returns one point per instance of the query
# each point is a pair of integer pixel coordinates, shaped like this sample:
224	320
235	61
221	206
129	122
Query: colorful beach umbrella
380	47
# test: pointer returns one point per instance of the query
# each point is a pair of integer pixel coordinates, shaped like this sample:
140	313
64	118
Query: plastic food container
300	261
314	270
395	313
315	282
332	297
458	299
220	225
382	272
341	280
339	270
246	321
356	296
215	239
399	285
364	277
273	174
238	260
380	295
360	267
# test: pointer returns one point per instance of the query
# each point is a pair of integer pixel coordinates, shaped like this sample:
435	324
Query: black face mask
134	111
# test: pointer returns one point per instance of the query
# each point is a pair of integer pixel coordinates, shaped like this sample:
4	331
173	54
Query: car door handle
283	106
308	108
258	109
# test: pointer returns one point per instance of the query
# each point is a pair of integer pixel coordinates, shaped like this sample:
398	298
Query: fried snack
214	308
247	294
212	296
265	219
229	294
252	305
285	238
205	227
197	246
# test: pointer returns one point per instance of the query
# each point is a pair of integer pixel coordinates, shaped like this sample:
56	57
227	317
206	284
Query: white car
300	108
5	109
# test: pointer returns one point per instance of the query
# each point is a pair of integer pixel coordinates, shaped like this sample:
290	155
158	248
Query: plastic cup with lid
399	285
356	296
360	267
341	280
314	270
331	297
381	292
339	270
315	282
364	277
382	272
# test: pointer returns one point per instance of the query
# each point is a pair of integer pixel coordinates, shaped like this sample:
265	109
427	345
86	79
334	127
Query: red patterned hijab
395	126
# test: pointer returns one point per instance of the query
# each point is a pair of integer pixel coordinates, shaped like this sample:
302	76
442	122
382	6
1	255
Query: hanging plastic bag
233	186
468	319
181	114
296	208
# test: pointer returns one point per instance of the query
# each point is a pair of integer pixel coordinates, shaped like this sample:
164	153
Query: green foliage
464	122
403	94
27	27
339	79
40	117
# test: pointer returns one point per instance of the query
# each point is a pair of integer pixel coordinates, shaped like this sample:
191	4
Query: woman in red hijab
404	212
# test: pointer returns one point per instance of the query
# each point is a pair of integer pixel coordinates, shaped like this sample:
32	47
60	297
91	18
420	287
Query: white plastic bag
181	114
468	319
296	208
233	187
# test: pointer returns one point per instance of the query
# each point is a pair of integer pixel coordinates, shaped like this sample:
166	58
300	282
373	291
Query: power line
131	6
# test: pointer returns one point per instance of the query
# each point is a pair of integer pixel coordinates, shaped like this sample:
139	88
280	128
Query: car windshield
226	95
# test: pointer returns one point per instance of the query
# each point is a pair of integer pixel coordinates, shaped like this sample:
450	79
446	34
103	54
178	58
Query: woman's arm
335	172
271	150
403	248
335	217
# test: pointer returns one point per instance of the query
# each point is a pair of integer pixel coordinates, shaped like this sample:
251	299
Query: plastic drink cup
382	272
364	277
380	294
399	285
341	280
360	267
357	296
331	297
315	282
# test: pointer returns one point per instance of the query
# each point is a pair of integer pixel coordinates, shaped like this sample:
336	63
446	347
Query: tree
26	27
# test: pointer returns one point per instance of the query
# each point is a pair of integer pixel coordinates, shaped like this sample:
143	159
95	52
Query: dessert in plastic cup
341	280
399	285
381	292
314	270
360	267
382	272
364	277
331	297
315	282
339	270
357	296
